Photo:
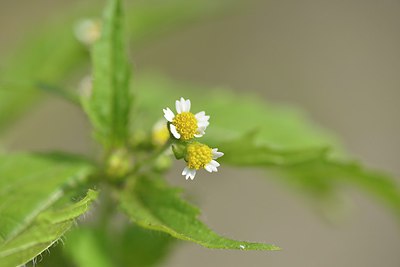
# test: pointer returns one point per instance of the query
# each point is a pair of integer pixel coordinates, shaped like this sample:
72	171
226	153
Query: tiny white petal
178	106
217	154
185	171
201	113
189	173
192	174
174	131
186	105
182	104
209	167
200	132
203	124
201	116
168	114
215	163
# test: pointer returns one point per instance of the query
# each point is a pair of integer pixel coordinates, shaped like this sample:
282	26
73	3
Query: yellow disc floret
198	155
186	125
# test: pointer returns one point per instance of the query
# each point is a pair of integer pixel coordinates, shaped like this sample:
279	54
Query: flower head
186	125
200	156
160	133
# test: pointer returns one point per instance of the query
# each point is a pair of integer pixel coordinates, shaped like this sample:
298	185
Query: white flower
200	156
186	125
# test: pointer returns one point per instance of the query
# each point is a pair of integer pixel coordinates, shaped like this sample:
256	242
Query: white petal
192	174
203	124
189	173
216	154
174	131
185	171
186	105
201	113
201	116
215	163
168	114
200	132
215	169
209	167
178	106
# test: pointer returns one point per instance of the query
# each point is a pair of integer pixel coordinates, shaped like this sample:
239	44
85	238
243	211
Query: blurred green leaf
232	115
325	176
52	55
35	182
153	205
88	248
109	103
40	233
244	151
129	246
314	170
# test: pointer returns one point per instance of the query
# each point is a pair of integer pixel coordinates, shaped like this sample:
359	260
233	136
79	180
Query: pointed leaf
314	170
46	228
153	205
30	183
109	103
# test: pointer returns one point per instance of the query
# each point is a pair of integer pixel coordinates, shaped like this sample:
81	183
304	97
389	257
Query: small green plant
43	194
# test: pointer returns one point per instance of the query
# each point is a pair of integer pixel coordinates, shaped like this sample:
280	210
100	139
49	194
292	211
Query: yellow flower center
186	125
198	155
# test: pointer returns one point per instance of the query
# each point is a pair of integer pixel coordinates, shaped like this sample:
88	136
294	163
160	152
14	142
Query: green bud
119	164
179	150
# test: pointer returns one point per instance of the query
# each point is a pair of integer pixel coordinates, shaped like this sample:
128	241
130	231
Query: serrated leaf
46	228
153	205
109	103
33	182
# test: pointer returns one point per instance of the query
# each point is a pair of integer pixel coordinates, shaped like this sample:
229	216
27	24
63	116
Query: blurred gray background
338	60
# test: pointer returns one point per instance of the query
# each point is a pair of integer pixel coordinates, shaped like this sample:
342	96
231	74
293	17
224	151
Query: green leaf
109	103
87	247
313	170
232	115
153	205
324	176
30	183
50	54
129	246
245	151
38	235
